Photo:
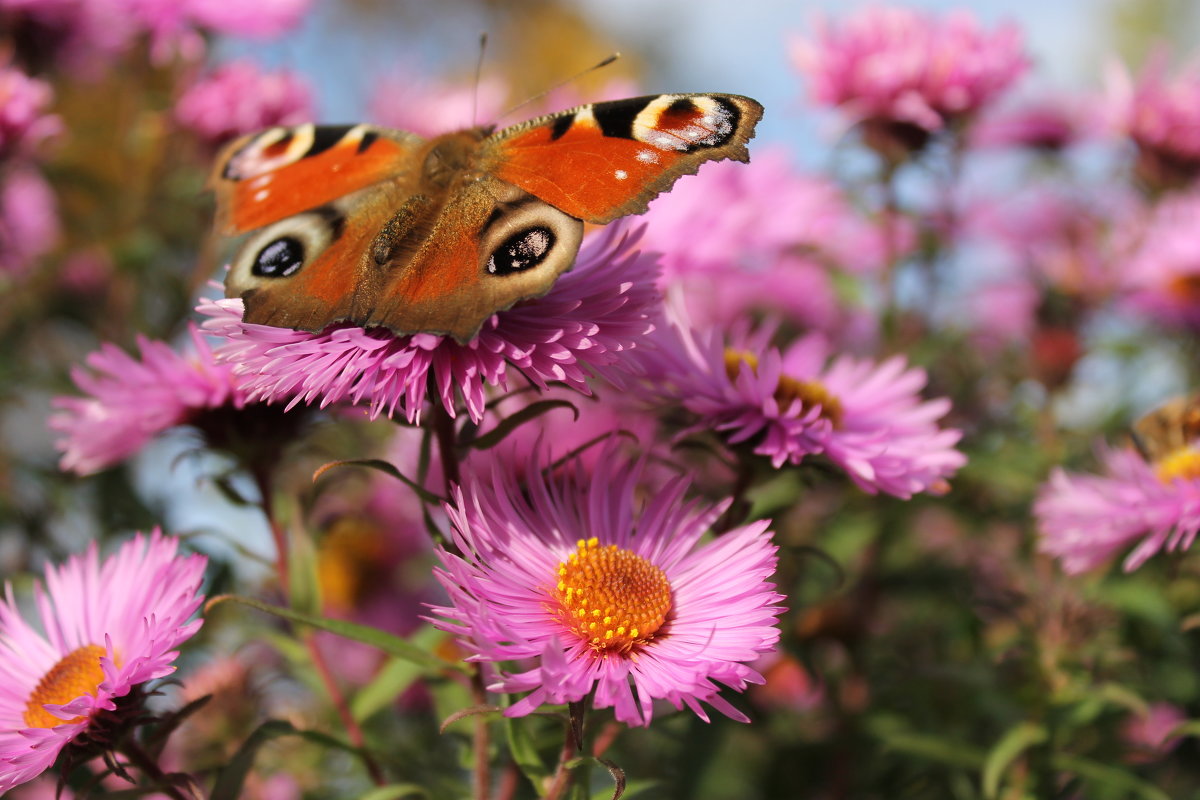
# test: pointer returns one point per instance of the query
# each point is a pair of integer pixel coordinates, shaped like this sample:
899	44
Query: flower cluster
241	98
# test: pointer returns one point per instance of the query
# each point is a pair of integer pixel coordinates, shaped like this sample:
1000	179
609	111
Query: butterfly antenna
600	65
478	78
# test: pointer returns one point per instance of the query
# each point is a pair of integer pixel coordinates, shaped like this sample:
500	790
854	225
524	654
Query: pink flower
598	595
130	401
79	36
174	25
24	121
581	328
866	418
240	98
109	627
429	108
29	225
1148	733
1049	124
1084	520
1162	118
1162	277
898	65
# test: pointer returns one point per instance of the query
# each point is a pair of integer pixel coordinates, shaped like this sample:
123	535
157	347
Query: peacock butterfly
379	227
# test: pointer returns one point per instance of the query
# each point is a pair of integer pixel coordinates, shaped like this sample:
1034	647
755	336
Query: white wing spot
647	156
620	174
261	194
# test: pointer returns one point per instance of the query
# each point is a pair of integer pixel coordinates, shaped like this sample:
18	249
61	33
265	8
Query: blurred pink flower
1084	520
788	684
1147	733
1048	124
1162	277
130	401
24	118
109	626
866	418
1161	115
668	619
29	226
238	98
899	65
175	26
429	108
80	36
581	328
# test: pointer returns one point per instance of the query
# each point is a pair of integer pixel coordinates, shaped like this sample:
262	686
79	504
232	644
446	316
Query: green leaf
513	421
524	752
393	678
231	777
388	643
386	468
1018	739
393	791
934	748
304	582
1108	776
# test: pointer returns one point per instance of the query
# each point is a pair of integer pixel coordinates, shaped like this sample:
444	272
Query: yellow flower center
612	598
811	394
1182	463
76	674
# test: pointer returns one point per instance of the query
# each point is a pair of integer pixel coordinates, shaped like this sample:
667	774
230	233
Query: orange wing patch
273	175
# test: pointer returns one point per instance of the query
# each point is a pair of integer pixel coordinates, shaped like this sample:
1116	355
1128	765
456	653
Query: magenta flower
1084	520
1162	277
1148	733
1050	124
77	35
29	226
581	328
898	65
596	594
240	98
866	418
1161	116
428	108
174	25
108	627
24	120
130	401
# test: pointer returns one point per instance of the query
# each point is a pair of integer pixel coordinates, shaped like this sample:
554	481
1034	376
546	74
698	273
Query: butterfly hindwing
601	161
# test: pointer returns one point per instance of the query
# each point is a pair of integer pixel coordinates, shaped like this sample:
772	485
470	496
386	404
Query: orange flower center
612	598
811	394
1183	464
76	674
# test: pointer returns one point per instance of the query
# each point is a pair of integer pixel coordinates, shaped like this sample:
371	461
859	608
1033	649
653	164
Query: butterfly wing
604	160
265	177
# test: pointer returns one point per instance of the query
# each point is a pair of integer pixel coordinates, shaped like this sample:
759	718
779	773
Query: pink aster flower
241	98
899	65
24	121
29	226
1048	124
1162	277
1161	116
1148	734
108	627
130	401
429	108
581	328
866	418
1084	520
174	25
77	35
601	595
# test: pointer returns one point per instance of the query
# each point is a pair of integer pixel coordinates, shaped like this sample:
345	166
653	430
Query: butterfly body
377	227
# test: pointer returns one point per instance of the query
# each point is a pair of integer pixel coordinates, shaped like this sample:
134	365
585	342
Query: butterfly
378	227
1169	428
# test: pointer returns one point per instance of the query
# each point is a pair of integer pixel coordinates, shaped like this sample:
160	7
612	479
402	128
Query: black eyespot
279	259
522	250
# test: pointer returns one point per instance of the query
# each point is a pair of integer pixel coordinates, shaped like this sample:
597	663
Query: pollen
811	394
610	597
1180	464
76	674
